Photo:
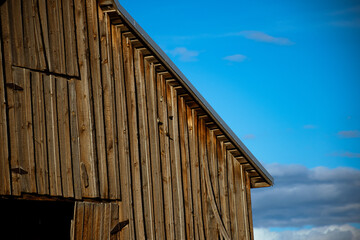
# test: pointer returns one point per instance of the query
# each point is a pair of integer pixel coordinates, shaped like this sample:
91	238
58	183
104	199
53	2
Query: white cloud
235	58
184	55
332	232
263	37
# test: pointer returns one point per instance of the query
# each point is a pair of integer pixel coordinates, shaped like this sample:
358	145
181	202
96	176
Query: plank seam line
48	73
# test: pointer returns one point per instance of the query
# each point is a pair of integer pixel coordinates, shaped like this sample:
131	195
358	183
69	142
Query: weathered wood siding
88	113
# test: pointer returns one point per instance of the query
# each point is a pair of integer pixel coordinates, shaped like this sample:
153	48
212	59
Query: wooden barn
102	136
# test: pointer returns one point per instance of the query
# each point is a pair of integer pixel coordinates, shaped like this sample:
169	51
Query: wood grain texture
55	180
150	79
165	157
178	195
195	165
232	196
133	137
40	138
186	169
38	35
97	93
123	135
85	107
249	206
56	37
5	186
63	113
71	63
17	34
144	144
9	45
75	141
109	106
223	185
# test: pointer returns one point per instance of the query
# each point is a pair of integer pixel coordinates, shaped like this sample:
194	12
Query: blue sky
285	76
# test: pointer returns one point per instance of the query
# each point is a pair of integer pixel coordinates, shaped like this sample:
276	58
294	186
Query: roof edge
187	84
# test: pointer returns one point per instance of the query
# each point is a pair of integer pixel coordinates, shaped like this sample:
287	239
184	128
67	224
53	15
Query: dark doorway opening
24	219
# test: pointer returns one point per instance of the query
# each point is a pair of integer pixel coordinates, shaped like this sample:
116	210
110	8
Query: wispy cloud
353	23
345	154
184	55
332	232
263	37
349	134
321	197
249	136
235	58
253	35
350	10
309	126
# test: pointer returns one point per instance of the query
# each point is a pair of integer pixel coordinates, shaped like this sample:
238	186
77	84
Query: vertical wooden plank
244	203
232	195
88	221
150	80
241	214
98	221
44	30
19	134
28	160
72	229
195	172
40	140
223	184
39	40
97	88
52	135
72	67
64	137
114	219
75	142
178	195
84	106
249	206
186	169
109	106
79	212
133	137
107	221
17	37
213	163
123	136
211	175
208	215
56	37
5	186
9	44
30	54
144	144
165	157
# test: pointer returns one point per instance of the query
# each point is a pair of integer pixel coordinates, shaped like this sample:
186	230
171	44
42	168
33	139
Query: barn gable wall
89	114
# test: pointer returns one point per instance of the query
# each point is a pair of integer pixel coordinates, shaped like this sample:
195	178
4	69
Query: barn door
96	221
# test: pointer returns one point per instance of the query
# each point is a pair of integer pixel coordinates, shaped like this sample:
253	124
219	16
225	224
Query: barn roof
264	179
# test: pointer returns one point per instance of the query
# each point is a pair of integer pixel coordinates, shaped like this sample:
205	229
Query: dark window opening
24	219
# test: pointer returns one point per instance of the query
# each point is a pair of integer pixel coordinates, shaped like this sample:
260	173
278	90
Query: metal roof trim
162	55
